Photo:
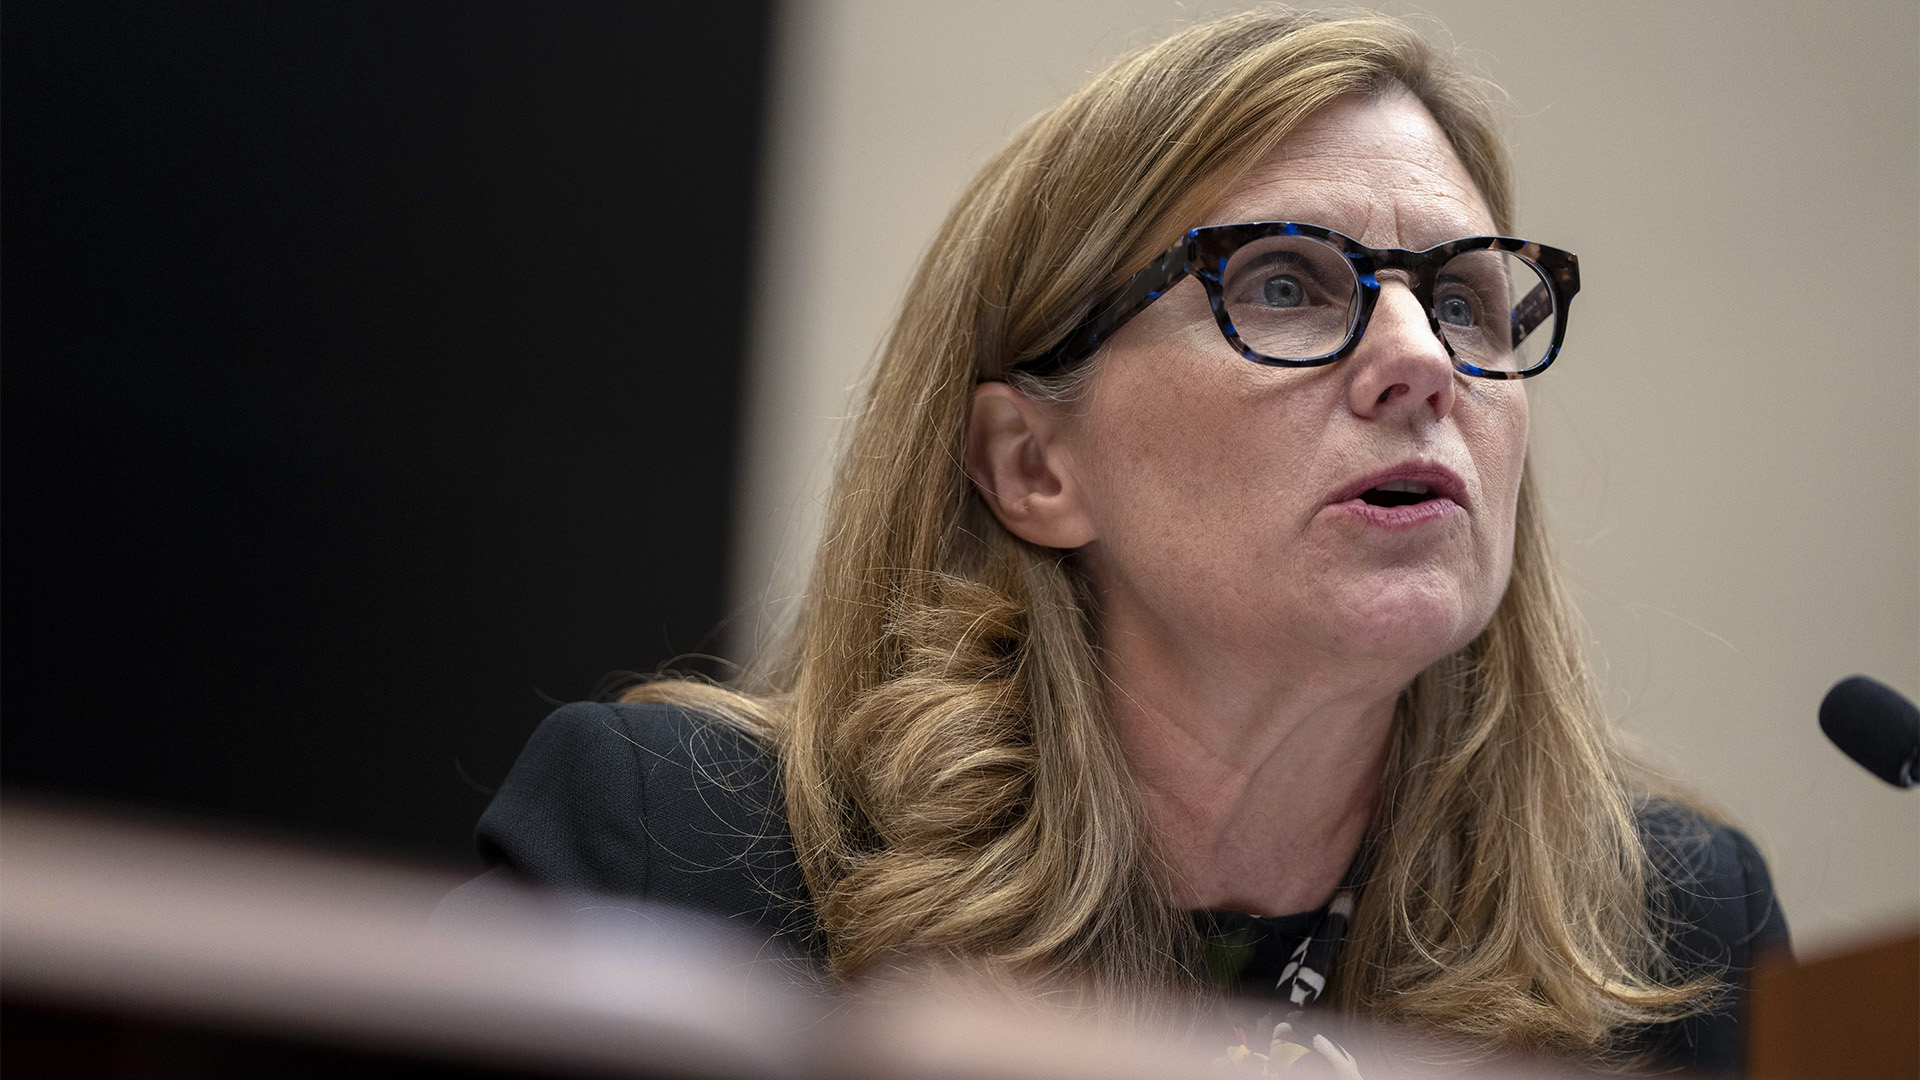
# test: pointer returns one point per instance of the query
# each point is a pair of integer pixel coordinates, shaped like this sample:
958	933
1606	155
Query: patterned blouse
1275	968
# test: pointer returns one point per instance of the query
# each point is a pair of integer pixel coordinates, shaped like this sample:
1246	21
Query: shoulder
1713	885
598	785
655	802
1712	891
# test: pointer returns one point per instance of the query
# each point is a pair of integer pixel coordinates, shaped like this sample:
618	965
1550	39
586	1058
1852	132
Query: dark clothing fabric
1717	895
1248	954
648	801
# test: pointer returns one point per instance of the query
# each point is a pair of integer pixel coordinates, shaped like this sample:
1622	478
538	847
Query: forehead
1378	169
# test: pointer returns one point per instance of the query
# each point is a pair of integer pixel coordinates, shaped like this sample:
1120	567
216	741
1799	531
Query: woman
1185	603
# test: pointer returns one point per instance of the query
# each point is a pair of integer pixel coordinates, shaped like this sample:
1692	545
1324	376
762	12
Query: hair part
952	784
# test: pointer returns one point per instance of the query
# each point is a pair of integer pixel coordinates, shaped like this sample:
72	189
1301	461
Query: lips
1405	494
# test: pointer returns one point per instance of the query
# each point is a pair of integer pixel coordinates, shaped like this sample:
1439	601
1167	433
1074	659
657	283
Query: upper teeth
1412	487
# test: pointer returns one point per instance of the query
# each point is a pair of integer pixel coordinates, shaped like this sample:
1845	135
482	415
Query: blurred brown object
143	949
138	949
1854	1015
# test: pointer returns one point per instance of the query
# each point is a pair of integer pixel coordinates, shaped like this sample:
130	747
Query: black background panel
370	373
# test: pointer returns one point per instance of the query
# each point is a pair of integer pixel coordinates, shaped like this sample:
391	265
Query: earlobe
1021	470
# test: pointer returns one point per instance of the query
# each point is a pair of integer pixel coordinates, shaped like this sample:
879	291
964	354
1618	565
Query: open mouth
1398	493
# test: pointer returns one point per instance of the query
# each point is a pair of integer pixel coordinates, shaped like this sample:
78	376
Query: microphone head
1874	725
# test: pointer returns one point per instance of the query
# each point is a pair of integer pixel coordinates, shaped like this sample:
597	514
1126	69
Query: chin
1415	623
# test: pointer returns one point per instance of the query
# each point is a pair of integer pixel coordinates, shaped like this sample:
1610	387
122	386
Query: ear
1022	469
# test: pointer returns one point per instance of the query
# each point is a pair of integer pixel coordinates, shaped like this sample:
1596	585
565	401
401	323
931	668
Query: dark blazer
649	801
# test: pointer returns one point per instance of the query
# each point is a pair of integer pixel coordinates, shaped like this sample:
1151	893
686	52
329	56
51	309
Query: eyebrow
1452	229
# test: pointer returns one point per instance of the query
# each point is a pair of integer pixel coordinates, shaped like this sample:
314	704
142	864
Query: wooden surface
1855	1015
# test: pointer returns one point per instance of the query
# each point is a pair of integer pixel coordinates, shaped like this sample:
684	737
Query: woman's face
1222	496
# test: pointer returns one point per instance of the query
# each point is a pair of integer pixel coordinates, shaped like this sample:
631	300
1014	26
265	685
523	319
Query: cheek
1170	405
1498	444
1511	445
1186	455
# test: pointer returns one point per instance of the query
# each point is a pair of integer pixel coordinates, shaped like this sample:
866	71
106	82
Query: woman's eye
1283	291
1455	311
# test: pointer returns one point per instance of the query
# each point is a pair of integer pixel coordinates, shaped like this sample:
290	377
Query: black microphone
1872	724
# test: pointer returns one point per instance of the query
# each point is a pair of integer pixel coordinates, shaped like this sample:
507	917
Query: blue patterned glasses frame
1296	295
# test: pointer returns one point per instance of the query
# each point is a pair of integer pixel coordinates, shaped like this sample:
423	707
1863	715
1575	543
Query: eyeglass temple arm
1141	289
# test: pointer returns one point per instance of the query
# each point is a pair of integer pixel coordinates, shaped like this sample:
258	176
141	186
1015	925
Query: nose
1400	366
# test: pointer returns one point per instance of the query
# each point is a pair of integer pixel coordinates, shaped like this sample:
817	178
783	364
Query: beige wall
1728	444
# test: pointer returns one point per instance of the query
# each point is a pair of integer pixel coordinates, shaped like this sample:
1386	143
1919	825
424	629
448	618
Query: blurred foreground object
1855	1015
196	953
129	949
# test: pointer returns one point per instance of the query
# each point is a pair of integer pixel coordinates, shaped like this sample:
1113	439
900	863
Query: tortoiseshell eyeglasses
1295	295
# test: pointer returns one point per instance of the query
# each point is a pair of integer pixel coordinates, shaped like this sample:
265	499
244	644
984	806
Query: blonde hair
950	779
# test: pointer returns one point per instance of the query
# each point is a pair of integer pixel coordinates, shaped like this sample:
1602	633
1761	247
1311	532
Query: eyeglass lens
1296	298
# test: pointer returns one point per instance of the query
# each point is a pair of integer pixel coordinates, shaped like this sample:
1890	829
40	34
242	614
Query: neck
1258	792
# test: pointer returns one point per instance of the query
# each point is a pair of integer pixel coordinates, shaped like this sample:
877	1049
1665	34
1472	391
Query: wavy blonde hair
952	785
